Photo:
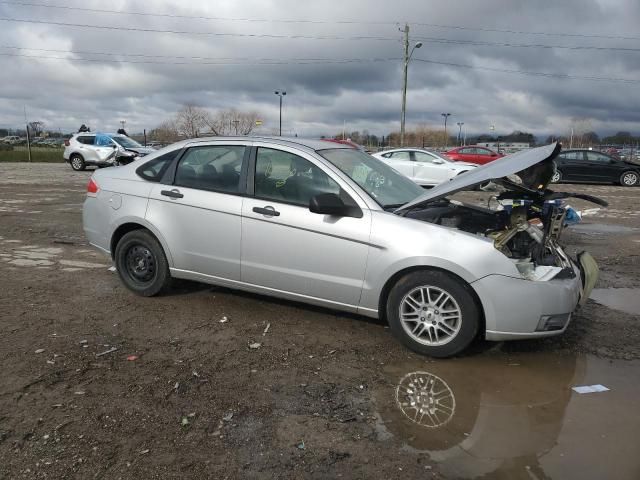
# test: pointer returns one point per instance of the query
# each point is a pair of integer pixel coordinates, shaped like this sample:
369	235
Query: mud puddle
624	299
515	416
602	229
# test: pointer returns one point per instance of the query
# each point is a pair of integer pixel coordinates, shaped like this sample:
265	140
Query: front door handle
269	211
175	193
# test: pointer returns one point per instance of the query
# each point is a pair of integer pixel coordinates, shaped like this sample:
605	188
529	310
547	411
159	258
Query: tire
142	264
77	162
557	177
435	334
629	179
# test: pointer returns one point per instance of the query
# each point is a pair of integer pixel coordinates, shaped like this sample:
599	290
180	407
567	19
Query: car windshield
386	186
126	142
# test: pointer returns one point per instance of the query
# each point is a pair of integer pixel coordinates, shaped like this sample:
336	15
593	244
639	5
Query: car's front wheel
142	264
557	177
77	162
629	179
433	313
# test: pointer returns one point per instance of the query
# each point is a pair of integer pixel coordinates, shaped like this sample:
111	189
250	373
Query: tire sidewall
459	290
629	184
79	157
161	277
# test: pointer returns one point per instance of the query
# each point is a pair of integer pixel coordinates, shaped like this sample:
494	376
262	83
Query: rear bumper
520	309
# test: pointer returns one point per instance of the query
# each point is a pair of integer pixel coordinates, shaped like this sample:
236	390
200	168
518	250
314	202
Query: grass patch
38	154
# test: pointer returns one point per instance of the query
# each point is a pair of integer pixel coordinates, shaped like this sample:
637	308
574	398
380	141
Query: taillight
66	142
92	188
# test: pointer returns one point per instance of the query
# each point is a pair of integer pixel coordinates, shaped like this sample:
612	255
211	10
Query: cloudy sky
340	63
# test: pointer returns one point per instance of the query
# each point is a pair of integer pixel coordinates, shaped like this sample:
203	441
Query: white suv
102	150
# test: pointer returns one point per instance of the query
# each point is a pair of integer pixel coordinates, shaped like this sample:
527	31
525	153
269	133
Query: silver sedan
325	224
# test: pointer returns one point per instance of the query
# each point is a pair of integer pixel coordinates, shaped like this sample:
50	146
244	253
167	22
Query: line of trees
192	121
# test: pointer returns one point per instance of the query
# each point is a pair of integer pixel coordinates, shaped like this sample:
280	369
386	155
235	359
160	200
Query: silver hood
495	170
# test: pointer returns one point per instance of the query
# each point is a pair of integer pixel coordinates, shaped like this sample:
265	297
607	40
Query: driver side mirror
332	204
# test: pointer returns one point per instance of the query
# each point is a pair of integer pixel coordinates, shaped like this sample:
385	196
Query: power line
185	57
188	32
524	72
222	61
452	41
305	21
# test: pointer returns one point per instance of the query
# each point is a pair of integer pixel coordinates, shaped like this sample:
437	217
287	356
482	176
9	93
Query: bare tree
36	128
231	122
166	132
190	120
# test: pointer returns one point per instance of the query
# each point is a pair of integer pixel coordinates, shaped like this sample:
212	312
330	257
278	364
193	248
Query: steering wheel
375	179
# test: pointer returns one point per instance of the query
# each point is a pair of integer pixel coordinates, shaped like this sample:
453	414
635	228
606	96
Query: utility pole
26	123
460	124
404	82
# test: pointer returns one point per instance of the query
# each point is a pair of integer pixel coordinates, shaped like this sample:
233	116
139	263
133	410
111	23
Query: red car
473	154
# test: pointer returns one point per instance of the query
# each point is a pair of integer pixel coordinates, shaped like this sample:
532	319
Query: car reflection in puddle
505	417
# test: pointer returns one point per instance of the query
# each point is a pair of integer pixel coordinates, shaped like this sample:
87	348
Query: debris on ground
266	329
132	358
228	417
224	320
112	269
107	352
590	389
40	350
300	446
255	345
184	422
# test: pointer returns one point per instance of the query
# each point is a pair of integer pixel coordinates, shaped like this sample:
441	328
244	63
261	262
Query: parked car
329	225
473	154
11	139
101	150
591	166
422	166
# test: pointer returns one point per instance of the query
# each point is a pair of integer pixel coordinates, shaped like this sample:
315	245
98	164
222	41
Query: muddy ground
325	395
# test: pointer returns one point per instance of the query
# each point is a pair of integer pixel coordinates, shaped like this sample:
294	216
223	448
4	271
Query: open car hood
494	171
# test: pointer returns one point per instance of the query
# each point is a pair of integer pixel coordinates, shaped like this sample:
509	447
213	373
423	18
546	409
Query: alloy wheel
76	163
430	315
630	179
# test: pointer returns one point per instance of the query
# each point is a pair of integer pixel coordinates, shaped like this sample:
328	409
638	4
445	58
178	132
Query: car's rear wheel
629	179
433	313
77	162
557	177
142	264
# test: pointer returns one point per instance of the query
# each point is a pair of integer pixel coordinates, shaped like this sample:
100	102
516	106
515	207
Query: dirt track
317	399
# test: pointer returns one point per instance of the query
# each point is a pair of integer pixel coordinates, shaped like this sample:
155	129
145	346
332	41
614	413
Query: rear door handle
269	211
175	193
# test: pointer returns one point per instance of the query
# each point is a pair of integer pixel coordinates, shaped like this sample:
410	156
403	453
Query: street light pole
407	58
446	139
460	124
280	94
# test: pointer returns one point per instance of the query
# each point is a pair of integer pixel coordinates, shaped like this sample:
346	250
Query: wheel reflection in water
425	399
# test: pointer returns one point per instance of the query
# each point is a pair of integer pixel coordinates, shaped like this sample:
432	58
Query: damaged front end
525	222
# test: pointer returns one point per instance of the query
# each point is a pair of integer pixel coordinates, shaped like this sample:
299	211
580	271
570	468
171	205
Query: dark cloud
324	98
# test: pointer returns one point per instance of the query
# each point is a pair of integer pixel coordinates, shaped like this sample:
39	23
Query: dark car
594	167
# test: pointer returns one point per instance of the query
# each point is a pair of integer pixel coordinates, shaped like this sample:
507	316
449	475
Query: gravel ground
99	383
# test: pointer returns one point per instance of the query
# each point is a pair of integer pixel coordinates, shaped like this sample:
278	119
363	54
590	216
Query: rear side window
401	156
153	170
212	167
571	155
86	139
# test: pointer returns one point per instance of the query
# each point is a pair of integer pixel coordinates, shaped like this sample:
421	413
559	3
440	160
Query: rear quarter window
86	139
153	170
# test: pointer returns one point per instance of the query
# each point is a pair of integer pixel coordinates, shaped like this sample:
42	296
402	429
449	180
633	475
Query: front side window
423	157
211	167
286	177
103	140
387	187
467	151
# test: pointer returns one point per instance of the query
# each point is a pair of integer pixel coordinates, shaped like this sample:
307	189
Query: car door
601	168
467	154
286	247
402	162
104	147
199	210
86	148
572	166
484	155
429	170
